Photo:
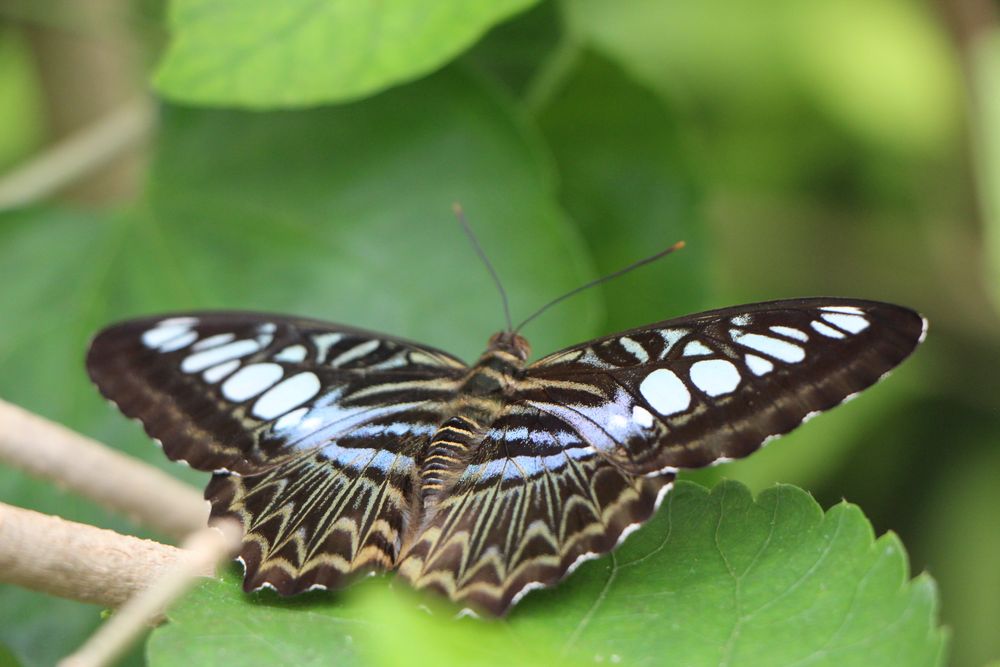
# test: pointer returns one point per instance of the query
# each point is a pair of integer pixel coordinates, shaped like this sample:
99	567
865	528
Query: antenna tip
456	208
678	245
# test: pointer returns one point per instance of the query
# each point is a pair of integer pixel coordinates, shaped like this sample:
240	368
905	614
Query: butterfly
345	452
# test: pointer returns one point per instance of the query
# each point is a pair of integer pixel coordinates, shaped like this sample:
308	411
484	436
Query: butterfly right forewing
693	391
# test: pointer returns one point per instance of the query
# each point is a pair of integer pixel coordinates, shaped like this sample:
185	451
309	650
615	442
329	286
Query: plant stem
83	466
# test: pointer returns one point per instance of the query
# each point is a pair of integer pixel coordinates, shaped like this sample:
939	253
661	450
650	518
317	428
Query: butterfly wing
535	500
593	435
312	429
712	387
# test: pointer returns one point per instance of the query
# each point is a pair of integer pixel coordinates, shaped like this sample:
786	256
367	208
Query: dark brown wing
536	500
690	392
312	429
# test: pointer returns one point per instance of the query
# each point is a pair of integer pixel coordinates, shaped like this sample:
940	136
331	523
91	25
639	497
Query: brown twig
87	57
77	561
84	152
201	553
45	449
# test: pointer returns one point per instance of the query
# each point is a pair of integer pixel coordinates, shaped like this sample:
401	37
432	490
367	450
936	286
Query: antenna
603	279
460	214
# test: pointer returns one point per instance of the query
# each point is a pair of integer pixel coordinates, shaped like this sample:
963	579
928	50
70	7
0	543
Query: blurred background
800	147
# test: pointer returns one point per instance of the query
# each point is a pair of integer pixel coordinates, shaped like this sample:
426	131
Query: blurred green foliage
19	112
800	147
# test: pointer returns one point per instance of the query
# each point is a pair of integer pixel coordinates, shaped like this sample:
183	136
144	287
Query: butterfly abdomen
447	454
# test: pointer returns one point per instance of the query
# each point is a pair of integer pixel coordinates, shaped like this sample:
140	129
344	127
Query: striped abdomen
447	454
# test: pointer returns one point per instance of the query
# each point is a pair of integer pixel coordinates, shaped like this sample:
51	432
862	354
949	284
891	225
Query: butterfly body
344	451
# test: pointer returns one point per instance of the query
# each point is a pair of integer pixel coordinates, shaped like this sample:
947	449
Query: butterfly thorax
499	367
481	399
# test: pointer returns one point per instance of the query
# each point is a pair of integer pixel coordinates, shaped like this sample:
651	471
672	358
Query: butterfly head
512	343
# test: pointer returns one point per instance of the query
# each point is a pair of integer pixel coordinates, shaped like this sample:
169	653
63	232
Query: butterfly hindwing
534	500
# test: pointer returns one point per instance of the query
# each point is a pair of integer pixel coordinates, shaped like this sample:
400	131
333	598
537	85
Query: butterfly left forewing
697	390
312	429
228	390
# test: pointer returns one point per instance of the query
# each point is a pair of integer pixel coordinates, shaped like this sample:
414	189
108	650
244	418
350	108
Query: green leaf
715	578
218	624
514	52
340	213
985	63
305	52
7	657
629	185
368	624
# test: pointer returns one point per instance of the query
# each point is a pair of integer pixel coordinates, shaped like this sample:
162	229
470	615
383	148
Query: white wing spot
740	321
759	365
179	342
790	332
213	341
163	332
827	331
635	349
292	353
665	392
642	416
291	419
670	338
216	373
851	323
696	348
179	321
286	395
356	352
850	310
250	381
199	361
715	377
772	347
324	342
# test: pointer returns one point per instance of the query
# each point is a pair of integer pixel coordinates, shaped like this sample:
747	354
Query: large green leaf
339	213
305	52
715	578
627	179
367	624
7	657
